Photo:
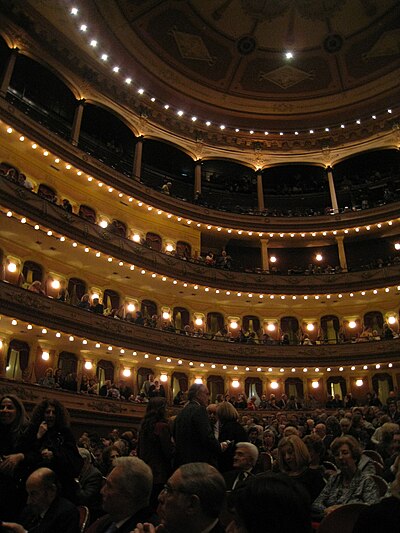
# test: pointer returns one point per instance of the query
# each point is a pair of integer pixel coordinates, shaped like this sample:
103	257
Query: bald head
41	487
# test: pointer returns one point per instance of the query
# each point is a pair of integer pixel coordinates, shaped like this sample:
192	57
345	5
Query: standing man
194	437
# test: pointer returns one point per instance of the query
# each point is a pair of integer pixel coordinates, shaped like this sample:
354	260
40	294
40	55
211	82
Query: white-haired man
244	464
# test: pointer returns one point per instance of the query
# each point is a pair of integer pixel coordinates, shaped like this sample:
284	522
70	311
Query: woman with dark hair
294	461
270	502
48	442
13	423
108	456
350	485
155	444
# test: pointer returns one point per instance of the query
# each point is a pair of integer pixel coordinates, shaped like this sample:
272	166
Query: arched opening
336	385
251	324
105	371
290	327
105	136
142	376
181	318
382	384
374	321
215	322
180	382
42	95
111	299
296	190
76	289
330	329
67	363
253	387
88	213
148	308
183	250
17	360
163	163
32	272
215	385
294	387
153	241
47	193
118	228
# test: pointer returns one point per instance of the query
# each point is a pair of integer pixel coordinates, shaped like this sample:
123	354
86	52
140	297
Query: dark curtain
380	377
182	380
253	381
154	241
148	308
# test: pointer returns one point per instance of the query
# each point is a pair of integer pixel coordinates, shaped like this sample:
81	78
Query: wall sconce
310	327
271	327
169	248
233	324
88	365
392	320
12	267
126	372
163	378
198	381
352	324
45	356
95	296
103	224
55	284
131	307
198	321
166	315
315	384
273	259
359	382
235	384
319	257
274	385
136	237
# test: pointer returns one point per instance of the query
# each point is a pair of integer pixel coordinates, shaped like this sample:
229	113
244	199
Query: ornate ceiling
224	61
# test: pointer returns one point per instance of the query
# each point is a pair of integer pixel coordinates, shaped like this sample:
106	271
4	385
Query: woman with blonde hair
229	431
294	460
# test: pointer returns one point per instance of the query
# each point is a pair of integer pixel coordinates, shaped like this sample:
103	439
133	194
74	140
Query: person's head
252	433
293	455
127	488
269	438
347	452
320	430
246	456
41	487
199	392
226	412
212	412
109	456
290	430
86	456
12	412
192	498
52	412
315	447
396	442
265	500
345	425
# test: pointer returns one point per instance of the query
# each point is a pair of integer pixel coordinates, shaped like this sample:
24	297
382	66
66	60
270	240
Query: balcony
23	305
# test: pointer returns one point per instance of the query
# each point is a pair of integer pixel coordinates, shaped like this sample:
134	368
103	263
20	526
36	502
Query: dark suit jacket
231	476
103	523
194	438
61	517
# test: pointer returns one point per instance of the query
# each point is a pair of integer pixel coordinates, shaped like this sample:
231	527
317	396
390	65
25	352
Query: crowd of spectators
329	458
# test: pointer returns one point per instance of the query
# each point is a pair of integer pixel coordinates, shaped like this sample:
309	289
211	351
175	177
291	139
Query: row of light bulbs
136	235
12	267
124	352
116	69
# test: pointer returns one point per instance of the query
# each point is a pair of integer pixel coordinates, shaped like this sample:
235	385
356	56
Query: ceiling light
93	43
74	11
104	57
179	113
141	91
116	69
289	55
128	81
208	123
83	27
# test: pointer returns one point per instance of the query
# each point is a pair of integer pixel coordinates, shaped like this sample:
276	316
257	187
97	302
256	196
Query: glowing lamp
235	384
315	384
45	356
126	372
166	315
12	267
55	284
131	308
310	327
198	321
359	382
352	324
88	365
163	378
234	324
392	320
271	327
103	224
274	385
198	381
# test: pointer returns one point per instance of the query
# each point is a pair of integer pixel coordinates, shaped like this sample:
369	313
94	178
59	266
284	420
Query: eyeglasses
169	489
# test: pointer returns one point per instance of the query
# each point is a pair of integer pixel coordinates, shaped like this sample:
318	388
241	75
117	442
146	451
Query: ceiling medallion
246	45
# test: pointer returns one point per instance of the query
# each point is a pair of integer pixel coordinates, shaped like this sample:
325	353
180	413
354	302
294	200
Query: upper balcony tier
34	308
52	142
40	211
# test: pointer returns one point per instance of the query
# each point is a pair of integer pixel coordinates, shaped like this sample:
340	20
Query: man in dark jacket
194	438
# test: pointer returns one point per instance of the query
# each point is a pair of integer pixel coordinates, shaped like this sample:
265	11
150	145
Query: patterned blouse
362	489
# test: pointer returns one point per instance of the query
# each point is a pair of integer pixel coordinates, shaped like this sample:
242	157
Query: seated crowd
207	469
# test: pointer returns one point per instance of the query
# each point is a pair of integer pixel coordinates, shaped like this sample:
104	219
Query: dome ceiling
225	59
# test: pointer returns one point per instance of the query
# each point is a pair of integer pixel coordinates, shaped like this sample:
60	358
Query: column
197	178
137	161
260	192
4	343
76	125
264	254
342	253
332	191
8	72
